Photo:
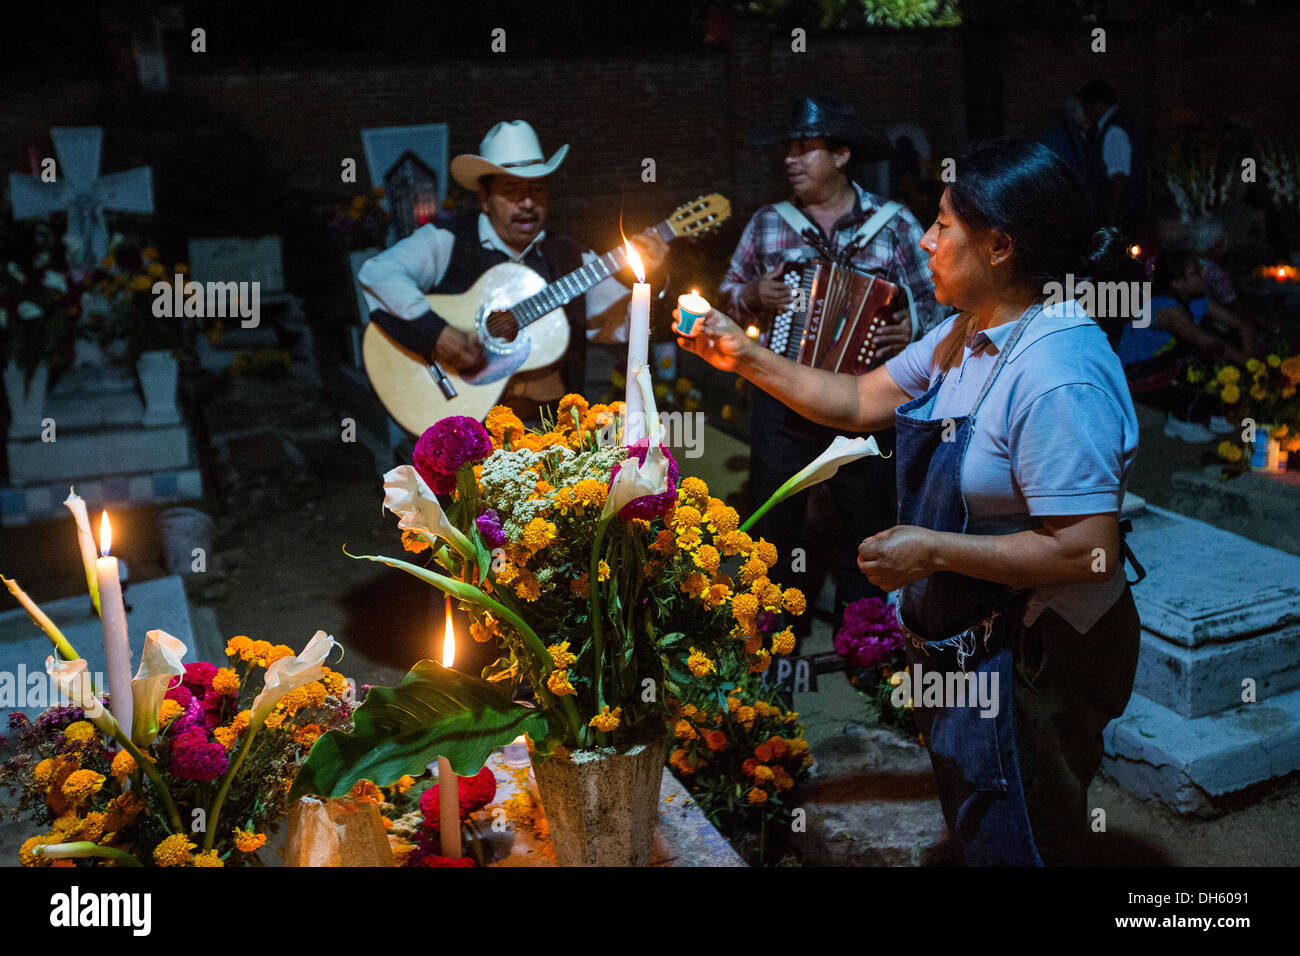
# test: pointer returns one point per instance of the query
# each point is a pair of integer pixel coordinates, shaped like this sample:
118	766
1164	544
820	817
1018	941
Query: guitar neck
567	288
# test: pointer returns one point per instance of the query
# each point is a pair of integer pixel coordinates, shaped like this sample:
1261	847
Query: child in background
1155	358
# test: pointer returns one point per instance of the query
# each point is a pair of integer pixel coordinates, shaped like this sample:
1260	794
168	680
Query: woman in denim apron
1038	614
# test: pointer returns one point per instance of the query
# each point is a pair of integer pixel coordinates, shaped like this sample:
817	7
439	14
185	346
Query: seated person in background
1155	358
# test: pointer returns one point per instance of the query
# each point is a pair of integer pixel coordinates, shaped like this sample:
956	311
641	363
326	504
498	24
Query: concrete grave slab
159	604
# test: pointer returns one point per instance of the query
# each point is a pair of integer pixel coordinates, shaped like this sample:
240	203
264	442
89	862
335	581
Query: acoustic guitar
517	317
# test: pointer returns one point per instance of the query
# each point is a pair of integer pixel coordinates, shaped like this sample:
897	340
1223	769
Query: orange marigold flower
578	586
169	711
81	732
175	850
364	791
783	643
683	730
81	785
716	740
528	587
208	858
745	714
602	571
747	766
308	735
225	681
561	656
693	491
237	646
778	746
763	752
699	664
694	584
794	601
766	551
757	795
247	841
558	683
123	765
686	517
413	541
606	720
503	425
708	558
764	773
665	542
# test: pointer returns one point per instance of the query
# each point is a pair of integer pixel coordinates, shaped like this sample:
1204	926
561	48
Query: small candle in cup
692	307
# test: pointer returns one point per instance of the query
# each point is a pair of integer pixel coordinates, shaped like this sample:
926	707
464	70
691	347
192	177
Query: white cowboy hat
511	148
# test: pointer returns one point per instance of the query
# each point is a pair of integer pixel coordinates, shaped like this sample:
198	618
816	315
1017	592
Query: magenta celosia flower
489	526
198	677
648	507
195	757
869	632
448	444
180	693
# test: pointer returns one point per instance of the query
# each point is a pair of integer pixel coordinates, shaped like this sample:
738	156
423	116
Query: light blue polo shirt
1057	433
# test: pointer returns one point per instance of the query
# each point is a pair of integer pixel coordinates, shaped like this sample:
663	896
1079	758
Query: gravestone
280	322
1216	702
101	442
158	604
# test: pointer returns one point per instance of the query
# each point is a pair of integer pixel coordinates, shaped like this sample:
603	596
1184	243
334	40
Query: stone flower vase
602	804
26	406
158	372
341	832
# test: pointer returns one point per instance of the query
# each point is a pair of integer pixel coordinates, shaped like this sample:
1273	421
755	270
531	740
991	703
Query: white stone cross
82	192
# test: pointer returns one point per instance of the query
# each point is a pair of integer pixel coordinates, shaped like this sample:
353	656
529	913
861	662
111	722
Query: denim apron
959	624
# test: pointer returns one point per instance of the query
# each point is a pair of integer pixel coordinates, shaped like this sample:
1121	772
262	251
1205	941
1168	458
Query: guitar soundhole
502	325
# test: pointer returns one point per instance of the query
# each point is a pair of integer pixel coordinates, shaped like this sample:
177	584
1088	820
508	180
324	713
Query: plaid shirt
894	253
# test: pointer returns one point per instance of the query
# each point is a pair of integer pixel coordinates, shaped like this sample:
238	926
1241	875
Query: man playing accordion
829	217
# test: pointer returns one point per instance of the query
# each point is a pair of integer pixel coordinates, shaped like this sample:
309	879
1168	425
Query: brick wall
694	112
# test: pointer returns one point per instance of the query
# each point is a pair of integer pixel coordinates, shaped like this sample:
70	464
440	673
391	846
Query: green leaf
668	640
435	712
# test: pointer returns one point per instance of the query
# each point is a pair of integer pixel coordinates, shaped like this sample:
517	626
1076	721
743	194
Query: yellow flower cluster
175	850
561	656
606	720
256	653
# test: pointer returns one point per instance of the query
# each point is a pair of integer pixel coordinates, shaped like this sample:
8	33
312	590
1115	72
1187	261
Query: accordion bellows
834	316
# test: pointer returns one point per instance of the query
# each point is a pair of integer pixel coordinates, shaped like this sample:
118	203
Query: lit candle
86	541
752	331
448	782
112	619
691	307
638	348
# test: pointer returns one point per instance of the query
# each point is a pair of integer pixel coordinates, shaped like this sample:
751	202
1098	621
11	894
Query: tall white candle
448	782
85	541
638	347
112	619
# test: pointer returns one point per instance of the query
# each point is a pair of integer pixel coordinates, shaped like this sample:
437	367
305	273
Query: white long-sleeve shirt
397	279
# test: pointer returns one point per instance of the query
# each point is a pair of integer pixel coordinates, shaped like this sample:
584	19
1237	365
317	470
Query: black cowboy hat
830	118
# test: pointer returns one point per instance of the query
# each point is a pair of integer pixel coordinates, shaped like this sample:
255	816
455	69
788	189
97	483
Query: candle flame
1135	250
752	331
105	535
448	640
634	260
1281	272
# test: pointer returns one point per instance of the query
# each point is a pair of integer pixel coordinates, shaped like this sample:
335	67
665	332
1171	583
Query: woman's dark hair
1025	190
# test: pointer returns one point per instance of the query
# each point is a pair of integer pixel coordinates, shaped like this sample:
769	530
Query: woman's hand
897	556
720	342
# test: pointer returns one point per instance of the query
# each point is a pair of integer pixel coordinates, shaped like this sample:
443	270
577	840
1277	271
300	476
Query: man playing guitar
823	137
509	175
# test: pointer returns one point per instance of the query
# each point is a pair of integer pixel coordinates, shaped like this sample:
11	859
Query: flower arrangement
412	816
121	304
362	224
1279	161
203	746
870	638
741	754
39	311
1201	175
1262	393
613	588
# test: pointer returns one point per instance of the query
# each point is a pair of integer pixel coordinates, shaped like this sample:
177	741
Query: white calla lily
408	496
290	673
841	451
72	681
639	479
160	663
